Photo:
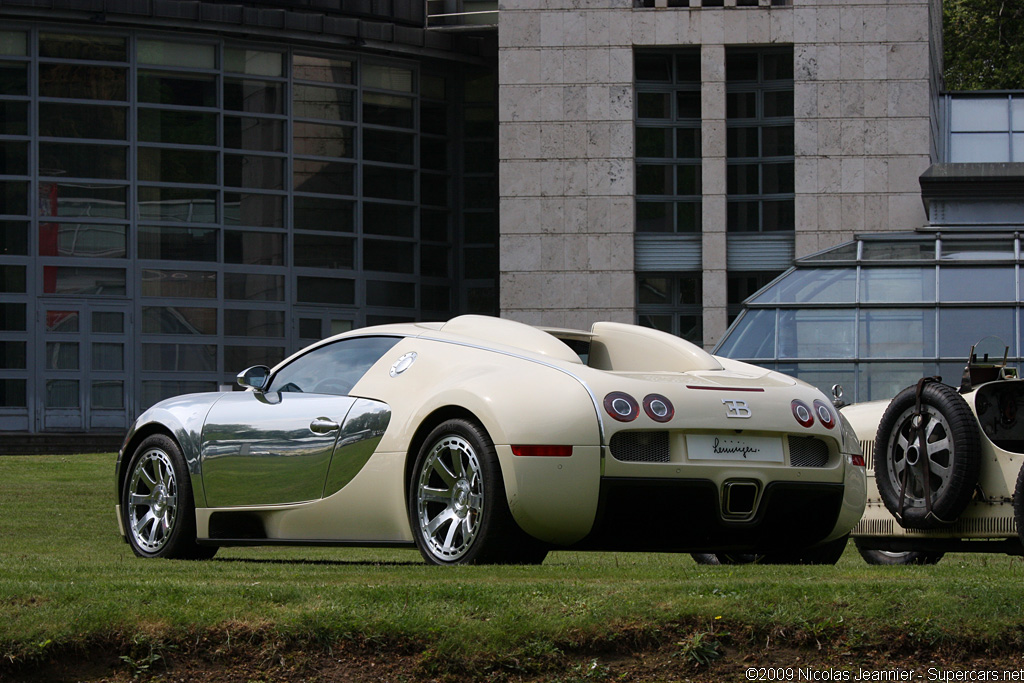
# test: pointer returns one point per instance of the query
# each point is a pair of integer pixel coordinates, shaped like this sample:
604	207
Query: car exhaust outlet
739	498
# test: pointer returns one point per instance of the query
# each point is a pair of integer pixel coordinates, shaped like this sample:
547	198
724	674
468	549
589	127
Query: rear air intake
805	451
641	447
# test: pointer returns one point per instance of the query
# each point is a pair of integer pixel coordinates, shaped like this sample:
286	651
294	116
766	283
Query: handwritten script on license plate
733	447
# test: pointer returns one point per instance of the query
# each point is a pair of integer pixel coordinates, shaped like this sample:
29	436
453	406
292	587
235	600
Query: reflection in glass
91	240
61	355
82	161
82	121
392	294
250	170
14	43
956	250
892	285
323	213
13	157
315	102
897	333
183	127
394	220
13	79
107	356
177	244
186	284
387	110
817	333
107	322
179	357
323	290
171	165
814	285
961	328
83	200
389	256
251	133
977	284
62	393
62	321
83	281
254	97
182	204
389	146
392	183
238	358
178	320
253	287
13	393
387	77
309	68
323	140
94	47
257	210
753	336
323	251
164	53
324	177
254	248
185	89
13	114
107	394
12	355
253	323
882	381
254	62
12	317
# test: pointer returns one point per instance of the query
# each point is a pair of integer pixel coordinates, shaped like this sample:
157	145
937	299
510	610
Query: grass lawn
68	580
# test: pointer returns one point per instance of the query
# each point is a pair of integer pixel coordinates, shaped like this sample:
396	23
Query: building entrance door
83	380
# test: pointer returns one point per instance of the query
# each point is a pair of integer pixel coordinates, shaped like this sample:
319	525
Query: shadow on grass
331	563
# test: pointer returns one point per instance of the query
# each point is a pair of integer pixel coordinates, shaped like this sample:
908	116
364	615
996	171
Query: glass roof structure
877	314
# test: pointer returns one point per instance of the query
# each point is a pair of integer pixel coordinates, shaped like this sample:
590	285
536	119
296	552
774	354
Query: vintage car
490	441
945	465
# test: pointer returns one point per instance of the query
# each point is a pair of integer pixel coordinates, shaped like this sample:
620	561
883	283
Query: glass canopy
877	314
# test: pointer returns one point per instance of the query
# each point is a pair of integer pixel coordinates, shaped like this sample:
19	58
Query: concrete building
189	188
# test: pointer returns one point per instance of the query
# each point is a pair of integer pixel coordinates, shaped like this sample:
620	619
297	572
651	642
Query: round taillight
824	414
658	408
802	413
621	406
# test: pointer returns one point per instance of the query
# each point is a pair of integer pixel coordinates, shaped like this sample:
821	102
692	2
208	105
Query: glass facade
877	314
177	209
985	127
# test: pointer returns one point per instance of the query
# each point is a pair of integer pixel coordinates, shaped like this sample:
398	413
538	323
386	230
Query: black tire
725	558
457	506
826	553
157	507
889	558
1018	504
930	491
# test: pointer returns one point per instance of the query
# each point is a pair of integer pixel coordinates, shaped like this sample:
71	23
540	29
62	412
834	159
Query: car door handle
323	425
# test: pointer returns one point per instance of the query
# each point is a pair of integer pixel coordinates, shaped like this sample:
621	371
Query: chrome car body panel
360	435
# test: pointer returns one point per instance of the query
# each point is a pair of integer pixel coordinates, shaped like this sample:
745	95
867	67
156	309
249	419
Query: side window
332	369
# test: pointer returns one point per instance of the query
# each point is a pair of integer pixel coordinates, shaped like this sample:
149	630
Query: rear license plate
733	447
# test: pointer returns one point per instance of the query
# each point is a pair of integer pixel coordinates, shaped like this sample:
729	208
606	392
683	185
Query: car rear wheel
457	505
725	558
929	460
888	557
157	507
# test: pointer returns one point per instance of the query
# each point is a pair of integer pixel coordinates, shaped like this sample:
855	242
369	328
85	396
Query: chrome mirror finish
254	378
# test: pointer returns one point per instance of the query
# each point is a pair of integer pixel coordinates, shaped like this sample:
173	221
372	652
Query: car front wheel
157	507
457	505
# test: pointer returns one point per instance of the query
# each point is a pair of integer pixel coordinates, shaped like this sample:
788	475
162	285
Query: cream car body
724	466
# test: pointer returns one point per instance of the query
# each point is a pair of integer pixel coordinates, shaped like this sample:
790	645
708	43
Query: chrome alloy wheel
450	498
152	500
906	456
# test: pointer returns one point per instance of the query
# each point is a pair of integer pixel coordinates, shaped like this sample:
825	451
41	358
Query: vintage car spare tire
927	455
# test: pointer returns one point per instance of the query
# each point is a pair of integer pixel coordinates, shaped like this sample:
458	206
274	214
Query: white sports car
486	440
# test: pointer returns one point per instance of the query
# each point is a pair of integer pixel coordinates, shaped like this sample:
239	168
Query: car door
274	446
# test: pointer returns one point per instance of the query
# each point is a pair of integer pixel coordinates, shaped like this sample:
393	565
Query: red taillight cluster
624	408
542	451
805	416
857	460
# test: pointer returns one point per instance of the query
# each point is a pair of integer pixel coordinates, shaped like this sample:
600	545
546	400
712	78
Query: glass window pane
817	333
82	200
181	204
890	285
897	333
740	66
742	179
251	133
778	215
322	213
255	62
388	146
13	78
107	322
434	260
83	161
185	284
688	104
253	323
334	368
979	147
654	142
257	210
82	121
107	356
818	285
740	105
387	77
163	53
389	256
12	317
1018	146
310	68
107	393
94	47
254	248
387	110
166	165
258	172
882	381
654	216
13	158
389	183
83	281
652	67
654	290
60	355
196	90
324	177
777	178
776	141
752	337
178	320
12	355
434	120
83	239
653	105
315	102
688	216
253	287
13	43
183	127
393	220
742	142
954	250
62	393
977	284
656	322
177	244
309	328
83	82
14	196
323	290
962	328
13	115
654	179
778	104
391	294
13	393
316	139
237	358
12	279
688	180
62	321
254	97
913	250
323	251
13	238
778	66
179	357
979	114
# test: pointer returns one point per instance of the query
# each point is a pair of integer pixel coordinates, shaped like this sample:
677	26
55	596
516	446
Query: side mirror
254	378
